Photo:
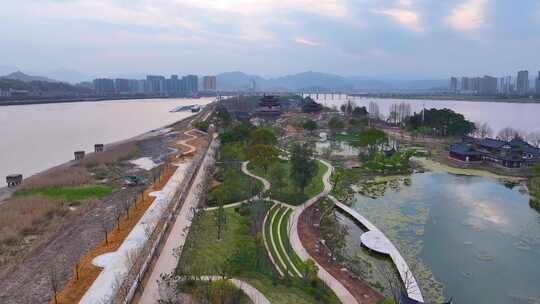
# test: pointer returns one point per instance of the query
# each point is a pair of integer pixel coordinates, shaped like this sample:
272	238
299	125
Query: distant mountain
4	70
26	78
322	81
67	75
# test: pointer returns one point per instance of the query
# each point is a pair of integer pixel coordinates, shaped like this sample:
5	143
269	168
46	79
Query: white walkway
166	262
375	240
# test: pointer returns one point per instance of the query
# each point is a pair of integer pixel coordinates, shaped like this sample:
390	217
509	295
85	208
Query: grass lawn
204	254
69	193
290	193
284	231
349	136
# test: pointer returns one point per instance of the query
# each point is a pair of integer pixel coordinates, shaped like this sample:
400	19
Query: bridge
375	240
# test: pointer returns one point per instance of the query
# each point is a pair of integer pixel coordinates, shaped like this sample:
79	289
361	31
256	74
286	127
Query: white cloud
468	16
305	41
405	17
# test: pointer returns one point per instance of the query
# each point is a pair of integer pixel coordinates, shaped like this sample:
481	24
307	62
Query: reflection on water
480	239
36	137
521	116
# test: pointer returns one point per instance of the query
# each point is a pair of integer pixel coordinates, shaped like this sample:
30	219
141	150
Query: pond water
477	237
521	116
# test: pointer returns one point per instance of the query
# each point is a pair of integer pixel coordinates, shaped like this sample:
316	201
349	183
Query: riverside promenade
375	240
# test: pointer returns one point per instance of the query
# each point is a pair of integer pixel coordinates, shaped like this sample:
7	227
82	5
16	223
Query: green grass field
290	193
204	254
69	193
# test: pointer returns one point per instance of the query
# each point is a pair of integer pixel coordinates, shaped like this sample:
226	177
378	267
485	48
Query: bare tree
54	281
482	130
534	139
374	113
105	230
508	134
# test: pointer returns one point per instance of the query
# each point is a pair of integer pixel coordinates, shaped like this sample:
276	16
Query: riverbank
56	235
457	98
89	99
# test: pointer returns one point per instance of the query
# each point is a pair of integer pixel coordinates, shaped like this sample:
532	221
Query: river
521	116
37	137
476	236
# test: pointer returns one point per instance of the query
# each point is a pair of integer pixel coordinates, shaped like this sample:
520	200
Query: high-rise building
465	83
174	86
103	86
121	86
453	84
538	83
156	85
474	84
522	84
209	83
190	85
488	85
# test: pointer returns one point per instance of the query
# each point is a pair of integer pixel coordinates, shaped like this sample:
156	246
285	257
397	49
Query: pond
473	236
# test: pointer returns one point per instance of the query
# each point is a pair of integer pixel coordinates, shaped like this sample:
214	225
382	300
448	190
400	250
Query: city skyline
401	38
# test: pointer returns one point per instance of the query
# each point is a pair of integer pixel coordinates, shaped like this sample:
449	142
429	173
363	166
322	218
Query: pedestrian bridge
375	240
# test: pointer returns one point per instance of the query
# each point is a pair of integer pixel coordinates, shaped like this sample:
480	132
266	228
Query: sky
417	39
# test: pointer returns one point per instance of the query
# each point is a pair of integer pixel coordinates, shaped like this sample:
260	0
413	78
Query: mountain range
322	81
231	81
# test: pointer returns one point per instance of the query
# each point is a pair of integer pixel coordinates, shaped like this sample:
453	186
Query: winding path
253	293
266	187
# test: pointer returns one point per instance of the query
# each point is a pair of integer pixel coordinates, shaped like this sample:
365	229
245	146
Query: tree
360	111
374	113
263	155
335	124
220	195
442	122
372	139
507	134
482	130
303	168
278	175
534	139
262	136
310	125
232	152
309	271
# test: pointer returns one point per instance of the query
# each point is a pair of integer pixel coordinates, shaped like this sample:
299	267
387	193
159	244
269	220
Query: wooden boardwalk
375	240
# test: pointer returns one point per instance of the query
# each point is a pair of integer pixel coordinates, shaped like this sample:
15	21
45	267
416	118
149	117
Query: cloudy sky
399	38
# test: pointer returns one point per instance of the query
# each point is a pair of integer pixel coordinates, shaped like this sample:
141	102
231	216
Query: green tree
310	125
263	155
232	152
303	168
335	124
221	218
309	271
278	175
262	136
372	139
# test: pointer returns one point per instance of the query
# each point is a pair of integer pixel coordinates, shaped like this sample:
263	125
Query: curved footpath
343	294
251	292
266	187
